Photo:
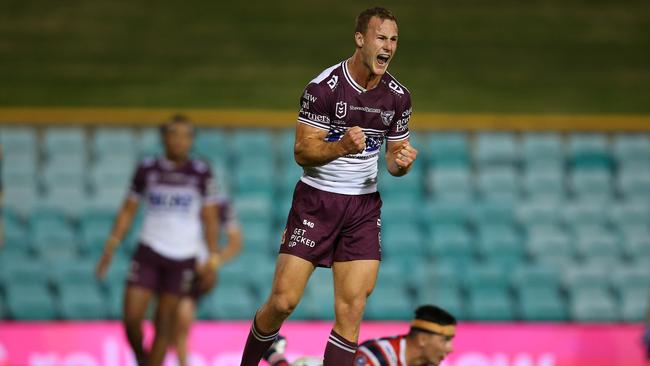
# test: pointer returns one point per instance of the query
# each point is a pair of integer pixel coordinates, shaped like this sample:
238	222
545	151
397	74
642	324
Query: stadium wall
240	118
220	344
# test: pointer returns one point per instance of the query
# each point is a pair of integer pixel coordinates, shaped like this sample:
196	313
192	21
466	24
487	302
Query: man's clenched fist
405	155
354	141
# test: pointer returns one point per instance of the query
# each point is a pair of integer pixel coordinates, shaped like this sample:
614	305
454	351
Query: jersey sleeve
138	182
399	128
313	107
208	188
227	215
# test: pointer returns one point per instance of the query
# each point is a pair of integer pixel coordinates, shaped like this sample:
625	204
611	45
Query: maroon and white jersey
389	351
334	102
173	197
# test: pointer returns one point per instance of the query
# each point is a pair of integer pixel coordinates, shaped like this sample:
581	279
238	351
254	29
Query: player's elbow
299	154
300	160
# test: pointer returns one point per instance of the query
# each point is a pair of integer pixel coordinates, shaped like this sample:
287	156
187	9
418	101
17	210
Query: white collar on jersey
165	163
168	164
402	351
350	80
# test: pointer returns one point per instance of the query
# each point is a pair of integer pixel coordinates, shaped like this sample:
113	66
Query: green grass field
555	56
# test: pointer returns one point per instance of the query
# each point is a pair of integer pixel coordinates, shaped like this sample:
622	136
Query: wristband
214	261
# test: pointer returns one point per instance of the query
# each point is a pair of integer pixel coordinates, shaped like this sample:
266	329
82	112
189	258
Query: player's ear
421	339
358	39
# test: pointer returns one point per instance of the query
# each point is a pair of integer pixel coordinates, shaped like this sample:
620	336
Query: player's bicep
399	128
209	213
130	205
138	184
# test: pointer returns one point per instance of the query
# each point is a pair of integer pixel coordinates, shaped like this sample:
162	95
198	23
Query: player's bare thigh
354	279
136	301
291	275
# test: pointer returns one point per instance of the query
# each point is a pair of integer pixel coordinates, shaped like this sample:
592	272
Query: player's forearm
312	152
122	224
233	247
210	228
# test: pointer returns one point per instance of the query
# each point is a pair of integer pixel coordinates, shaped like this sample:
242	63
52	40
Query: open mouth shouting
382	59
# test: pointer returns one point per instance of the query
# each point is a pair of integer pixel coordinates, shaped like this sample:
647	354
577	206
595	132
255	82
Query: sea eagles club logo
341	109
387	117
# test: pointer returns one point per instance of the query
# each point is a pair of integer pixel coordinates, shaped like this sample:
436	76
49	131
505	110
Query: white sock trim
263	338
334	341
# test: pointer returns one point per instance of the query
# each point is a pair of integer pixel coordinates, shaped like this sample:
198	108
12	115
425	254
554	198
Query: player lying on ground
428	342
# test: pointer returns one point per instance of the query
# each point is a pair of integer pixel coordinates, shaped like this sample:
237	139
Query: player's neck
361	73
176	161
412	356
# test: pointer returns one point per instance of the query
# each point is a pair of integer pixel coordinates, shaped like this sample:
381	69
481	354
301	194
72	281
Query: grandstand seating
81	301
30	302
228	301
390	302
491	225
114	301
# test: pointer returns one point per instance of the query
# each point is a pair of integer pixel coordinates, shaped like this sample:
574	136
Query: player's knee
351	308
166	332
180	333
182	329
164	325
283	305
131	321
369	292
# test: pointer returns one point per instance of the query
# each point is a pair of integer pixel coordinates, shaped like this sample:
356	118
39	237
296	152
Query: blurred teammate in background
345	115
180	199
428	342
187	307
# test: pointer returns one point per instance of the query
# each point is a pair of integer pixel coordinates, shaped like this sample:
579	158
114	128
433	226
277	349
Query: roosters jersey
389	351
173	197
334	102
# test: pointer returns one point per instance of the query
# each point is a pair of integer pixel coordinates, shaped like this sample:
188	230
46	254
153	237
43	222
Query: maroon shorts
325	227
161	274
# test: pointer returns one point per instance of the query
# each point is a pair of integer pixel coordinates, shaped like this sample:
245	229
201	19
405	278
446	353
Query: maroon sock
339	351
257	344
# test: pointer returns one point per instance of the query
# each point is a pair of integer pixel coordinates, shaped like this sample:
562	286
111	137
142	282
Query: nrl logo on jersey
341	109
387	117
